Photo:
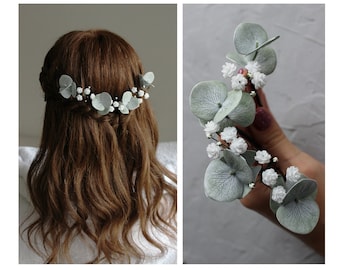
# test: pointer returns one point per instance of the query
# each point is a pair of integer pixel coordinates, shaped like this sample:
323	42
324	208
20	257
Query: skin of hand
267	134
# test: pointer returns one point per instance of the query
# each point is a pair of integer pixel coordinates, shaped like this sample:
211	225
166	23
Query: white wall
150	29
227	232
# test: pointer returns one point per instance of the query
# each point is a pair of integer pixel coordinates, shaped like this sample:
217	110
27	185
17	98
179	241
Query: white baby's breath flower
238	82
292	174
228	134
238	146
258	80
262	157
278	194
213	150
253	67
269	177
228	69
211	127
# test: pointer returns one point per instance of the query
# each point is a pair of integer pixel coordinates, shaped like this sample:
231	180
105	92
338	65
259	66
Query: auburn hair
97	176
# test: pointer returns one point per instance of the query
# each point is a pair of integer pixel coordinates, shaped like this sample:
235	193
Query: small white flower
140	93
251	185
79	90
262	157
269	177
213	150
79	97
211	127
238	146
278	194
252	93
87	91
253	67
292	174
228	69
238	82
275	159
228	134
258	80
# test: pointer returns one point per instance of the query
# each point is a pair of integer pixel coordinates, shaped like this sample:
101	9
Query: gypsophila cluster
249	74
228	137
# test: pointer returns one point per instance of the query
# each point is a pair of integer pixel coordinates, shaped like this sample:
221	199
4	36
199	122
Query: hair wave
96	176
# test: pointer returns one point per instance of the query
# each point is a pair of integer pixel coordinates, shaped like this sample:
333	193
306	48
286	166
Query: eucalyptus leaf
299	216
132	104
265	44
249	156
239	167
237	58
256	170
226	122
67	87
280	181
246	191
220	182
206	98
266	58
230	103
102	102
302	189
248	36
244	114
274	205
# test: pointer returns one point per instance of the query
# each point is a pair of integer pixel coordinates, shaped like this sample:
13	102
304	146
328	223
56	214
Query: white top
82	251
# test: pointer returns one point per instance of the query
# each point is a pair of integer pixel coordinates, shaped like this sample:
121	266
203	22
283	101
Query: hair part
96	176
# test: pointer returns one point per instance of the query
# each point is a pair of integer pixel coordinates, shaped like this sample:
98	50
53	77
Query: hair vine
103	102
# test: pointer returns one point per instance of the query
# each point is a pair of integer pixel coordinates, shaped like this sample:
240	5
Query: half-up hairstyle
96	176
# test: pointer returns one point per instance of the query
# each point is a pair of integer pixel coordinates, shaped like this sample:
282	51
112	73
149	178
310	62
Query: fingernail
262	120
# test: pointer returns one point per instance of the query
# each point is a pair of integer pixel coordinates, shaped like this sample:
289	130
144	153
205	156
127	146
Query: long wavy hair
97	176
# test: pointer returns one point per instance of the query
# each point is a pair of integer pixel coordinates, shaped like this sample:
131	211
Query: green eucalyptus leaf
300	216
239	167
266	58
256	171
244	114
248	36
230	103
302	189
280	181
202	122
274	205
220	183
237	58
265	44
206	98
246	190
226	122
249	156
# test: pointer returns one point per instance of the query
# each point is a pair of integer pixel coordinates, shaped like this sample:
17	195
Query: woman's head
96	169
97	58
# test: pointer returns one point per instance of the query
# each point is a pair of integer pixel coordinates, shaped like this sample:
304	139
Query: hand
267	135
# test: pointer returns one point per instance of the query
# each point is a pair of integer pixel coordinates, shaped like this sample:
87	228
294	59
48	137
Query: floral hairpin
233	171
103	102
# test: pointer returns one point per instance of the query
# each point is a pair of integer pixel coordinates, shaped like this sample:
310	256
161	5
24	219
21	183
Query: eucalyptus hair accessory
103	102
234	169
